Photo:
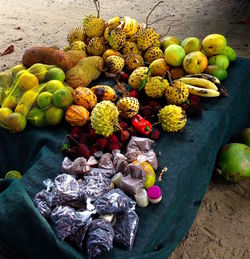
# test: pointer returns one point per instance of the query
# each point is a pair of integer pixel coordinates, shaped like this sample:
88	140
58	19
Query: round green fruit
14	70
220	60
229	52
44	99
217	71
62	98
13	174
4	113
169	40
233	162
54	85
16	122
55	73
174	55
213	44
191	44
39	70
36	117
53	115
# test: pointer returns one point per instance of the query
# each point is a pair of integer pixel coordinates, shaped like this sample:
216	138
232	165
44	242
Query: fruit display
149	86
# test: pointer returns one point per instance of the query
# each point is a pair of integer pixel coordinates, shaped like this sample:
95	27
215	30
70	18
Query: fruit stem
152	11
156	123
170	79
97	6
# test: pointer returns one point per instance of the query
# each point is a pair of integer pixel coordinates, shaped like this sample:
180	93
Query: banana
211	78
202	92
129	26
133	31
114	22
201	82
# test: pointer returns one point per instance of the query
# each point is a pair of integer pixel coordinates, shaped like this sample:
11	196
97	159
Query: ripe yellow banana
211	78
129	26
133	31
114	22
202	92
201	82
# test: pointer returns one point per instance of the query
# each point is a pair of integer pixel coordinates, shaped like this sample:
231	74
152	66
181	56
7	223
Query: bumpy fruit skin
133	61
104	118
77	115
104	92
128	107
76	34
146	38
156	87
110	52
137	76
93	26
96	46
78	45
85	97
130	48
117	39
177	94
152	54
115	64
172	118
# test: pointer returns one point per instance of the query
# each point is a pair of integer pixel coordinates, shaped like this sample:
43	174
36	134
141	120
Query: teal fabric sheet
189	156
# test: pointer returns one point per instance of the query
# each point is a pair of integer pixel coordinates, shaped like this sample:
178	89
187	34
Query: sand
222	226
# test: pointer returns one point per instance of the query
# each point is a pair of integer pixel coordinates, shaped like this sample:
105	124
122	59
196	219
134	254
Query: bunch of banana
114	22
201	85
130	26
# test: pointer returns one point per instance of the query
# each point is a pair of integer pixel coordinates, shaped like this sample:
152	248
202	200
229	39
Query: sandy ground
222	225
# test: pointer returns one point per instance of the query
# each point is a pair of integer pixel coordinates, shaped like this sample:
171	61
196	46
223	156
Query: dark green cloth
189	156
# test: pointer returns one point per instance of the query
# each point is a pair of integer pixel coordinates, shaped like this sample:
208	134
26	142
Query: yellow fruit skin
93	26
156	87
146	38
96	46
117	39
110	52
115	64
177	94
152	54
78	45
149	173
104	92
172	118
128	107
77	115
85	97
137	76
27	81
159	67
130	48
76	55
134	61
75	35
85	71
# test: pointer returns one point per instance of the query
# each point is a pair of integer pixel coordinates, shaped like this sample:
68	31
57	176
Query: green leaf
143	82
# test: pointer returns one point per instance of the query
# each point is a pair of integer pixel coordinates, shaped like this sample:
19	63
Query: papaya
233	162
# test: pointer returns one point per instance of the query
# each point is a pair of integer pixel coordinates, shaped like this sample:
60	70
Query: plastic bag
134	179
66	220
42	199
65	190
125	229
139	144
106	161
79	166
102	173
94	187
114	201
120	162
100	238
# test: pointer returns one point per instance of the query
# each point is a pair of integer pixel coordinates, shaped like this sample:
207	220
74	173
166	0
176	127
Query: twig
97	6
152	11
160	19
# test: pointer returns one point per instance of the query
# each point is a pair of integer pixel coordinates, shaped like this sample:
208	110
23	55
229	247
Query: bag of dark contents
125	228
66	189
102	173
100	238
42	199
134	180
66	221
106	162
139	144
113	202
80	166
119	161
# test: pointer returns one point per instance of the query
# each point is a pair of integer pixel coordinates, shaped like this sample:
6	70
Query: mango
169	40
16	122
233	162
159	67
213	44
4	113
27	81
229	52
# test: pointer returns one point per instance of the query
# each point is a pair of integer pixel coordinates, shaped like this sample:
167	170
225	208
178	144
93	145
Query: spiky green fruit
152	54
93	26
133	61
156	87
146	38
104	118
130	48
115	64
177	94
172	118
96	46
76	34
77	45
137	77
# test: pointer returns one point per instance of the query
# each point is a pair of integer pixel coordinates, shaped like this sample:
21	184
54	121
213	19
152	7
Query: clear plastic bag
120	162
66	220
125	229
105	162
113	202
100	238
102	173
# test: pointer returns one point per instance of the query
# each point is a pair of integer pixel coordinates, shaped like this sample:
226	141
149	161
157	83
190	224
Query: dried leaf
9	50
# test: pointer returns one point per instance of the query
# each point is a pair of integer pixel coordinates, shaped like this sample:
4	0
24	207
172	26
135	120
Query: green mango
233	162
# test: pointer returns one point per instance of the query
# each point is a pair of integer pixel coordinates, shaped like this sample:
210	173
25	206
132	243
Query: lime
53	115
16	122
4	113
13	174
44	99
54	85
39	70
62	98
36	117
55	73
217	71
